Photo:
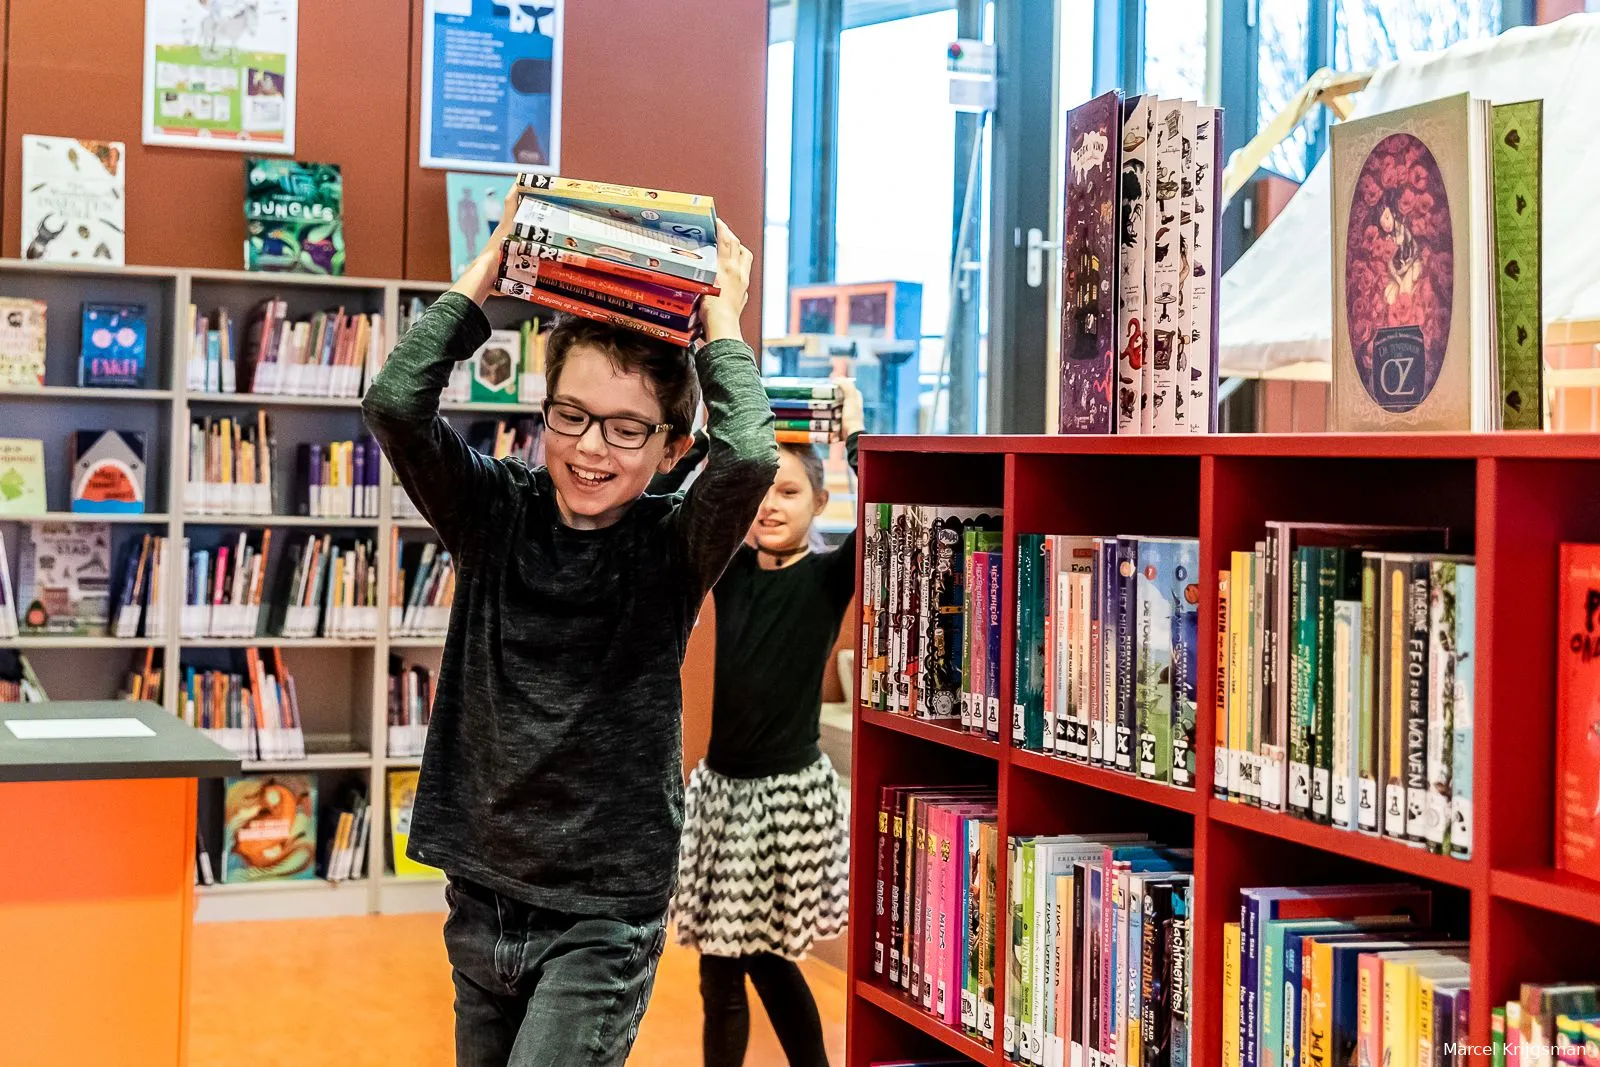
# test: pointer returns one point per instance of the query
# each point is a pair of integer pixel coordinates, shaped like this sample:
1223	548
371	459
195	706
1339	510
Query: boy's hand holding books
477	281
852	415
719	315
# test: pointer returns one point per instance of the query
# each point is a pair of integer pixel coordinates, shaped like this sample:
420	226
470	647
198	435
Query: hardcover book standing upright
22	341
1413	300
1518	155
1089	267
112	349
1133	325
72	199
1578	712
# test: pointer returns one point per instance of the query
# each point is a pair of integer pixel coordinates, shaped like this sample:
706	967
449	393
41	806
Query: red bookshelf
1514	497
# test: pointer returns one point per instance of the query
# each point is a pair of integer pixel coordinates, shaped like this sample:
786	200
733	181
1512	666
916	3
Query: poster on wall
220	74
72	199
473	204
491	85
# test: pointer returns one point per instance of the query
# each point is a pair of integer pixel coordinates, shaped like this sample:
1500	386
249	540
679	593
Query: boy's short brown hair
668	368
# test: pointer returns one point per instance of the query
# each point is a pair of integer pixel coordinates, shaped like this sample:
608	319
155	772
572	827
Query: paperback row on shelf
1343	974
251	710
327	354
410	706
67	586
1345	694
326	587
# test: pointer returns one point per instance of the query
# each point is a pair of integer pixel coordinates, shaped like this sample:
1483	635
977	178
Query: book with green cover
22	477
1518	155
294	216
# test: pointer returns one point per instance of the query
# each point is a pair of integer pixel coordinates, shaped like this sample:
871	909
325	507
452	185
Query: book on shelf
140	605
1140	263
327	354
64	579
22	342
111	350
73	203
410	707
108	472
932	656
22	489
144	682
327	587
251	709
1345	691
230	466
294	216
338	479
1107	652
223	586
1424	205
344	822
1577	829
422	583
1333	972
1549	1023
520	438
18	683
507	369
934	920
402	796
269	828
8	594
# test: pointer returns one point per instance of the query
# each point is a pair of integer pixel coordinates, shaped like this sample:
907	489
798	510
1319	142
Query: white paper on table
76	729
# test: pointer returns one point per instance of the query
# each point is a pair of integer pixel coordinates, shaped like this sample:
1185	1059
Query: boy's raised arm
742	455
448	480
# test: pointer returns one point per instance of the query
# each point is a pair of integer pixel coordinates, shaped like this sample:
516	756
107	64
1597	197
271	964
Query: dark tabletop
173	749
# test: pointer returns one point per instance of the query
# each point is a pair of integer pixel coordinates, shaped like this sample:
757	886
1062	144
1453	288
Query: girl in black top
763	868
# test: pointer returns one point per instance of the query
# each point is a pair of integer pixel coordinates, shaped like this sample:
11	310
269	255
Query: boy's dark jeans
537	988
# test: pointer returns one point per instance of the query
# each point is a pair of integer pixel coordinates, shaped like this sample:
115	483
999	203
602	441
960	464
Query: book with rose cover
1414	330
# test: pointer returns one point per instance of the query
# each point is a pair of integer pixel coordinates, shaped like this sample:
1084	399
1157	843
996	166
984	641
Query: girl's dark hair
810	462
668	368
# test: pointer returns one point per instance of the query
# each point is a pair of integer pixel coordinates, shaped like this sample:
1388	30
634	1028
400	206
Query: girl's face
783	524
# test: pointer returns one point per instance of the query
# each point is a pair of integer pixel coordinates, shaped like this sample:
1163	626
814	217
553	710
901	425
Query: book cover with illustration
73	203
1168	254
1578	712
22	342
64	581
1136	197
1411	306
270	828
495	367
473	203
688	216
22	477
111	353
294	216
108	472
402	795
1089	266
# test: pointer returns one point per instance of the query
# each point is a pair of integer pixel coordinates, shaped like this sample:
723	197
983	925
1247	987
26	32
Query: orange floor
375	992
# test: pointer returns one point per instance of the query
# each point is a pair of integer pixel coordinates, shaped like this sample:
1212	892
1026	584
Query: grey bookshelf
342	683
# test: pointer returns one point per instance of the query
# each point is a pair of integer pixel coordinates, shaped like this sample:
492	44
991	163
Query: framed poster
221	74
491	85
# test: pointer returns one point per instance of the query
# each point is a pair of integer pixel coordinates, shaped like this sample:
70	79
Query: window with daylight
1369	33
1282	68
1175	33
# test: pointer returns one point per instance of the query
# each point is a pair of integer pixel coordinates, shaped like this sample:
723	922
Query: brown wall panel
76	69
656	93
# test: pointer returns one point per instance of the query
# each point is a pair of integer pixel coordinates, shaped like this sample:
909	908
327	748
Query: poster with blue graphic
473	204
491	85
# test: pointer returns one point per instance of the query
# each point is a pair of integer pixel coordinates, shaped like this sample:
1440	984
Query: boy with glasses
552	789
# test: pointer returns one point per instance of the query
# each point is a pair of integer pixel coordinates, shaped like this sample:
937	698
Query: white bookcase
342	684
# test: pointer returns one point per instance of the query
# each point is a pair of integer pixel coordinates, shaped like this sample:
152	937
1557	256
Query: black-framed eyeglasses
619	431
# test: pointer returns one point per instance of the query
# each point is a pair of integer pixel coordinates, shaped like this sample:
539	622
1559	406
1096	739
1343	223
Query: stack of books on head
809	411
636	258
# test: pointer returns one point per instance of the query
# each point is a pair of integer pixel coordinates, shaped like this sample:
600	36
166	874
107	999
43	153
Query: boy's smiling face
595	480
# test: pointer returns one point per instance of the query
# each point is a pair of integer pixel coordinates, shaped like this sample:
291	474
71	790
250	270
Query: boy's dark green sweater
553	769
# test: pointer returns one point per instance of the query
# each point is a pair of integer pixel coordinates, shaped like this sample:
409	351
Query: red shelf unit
1514	496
